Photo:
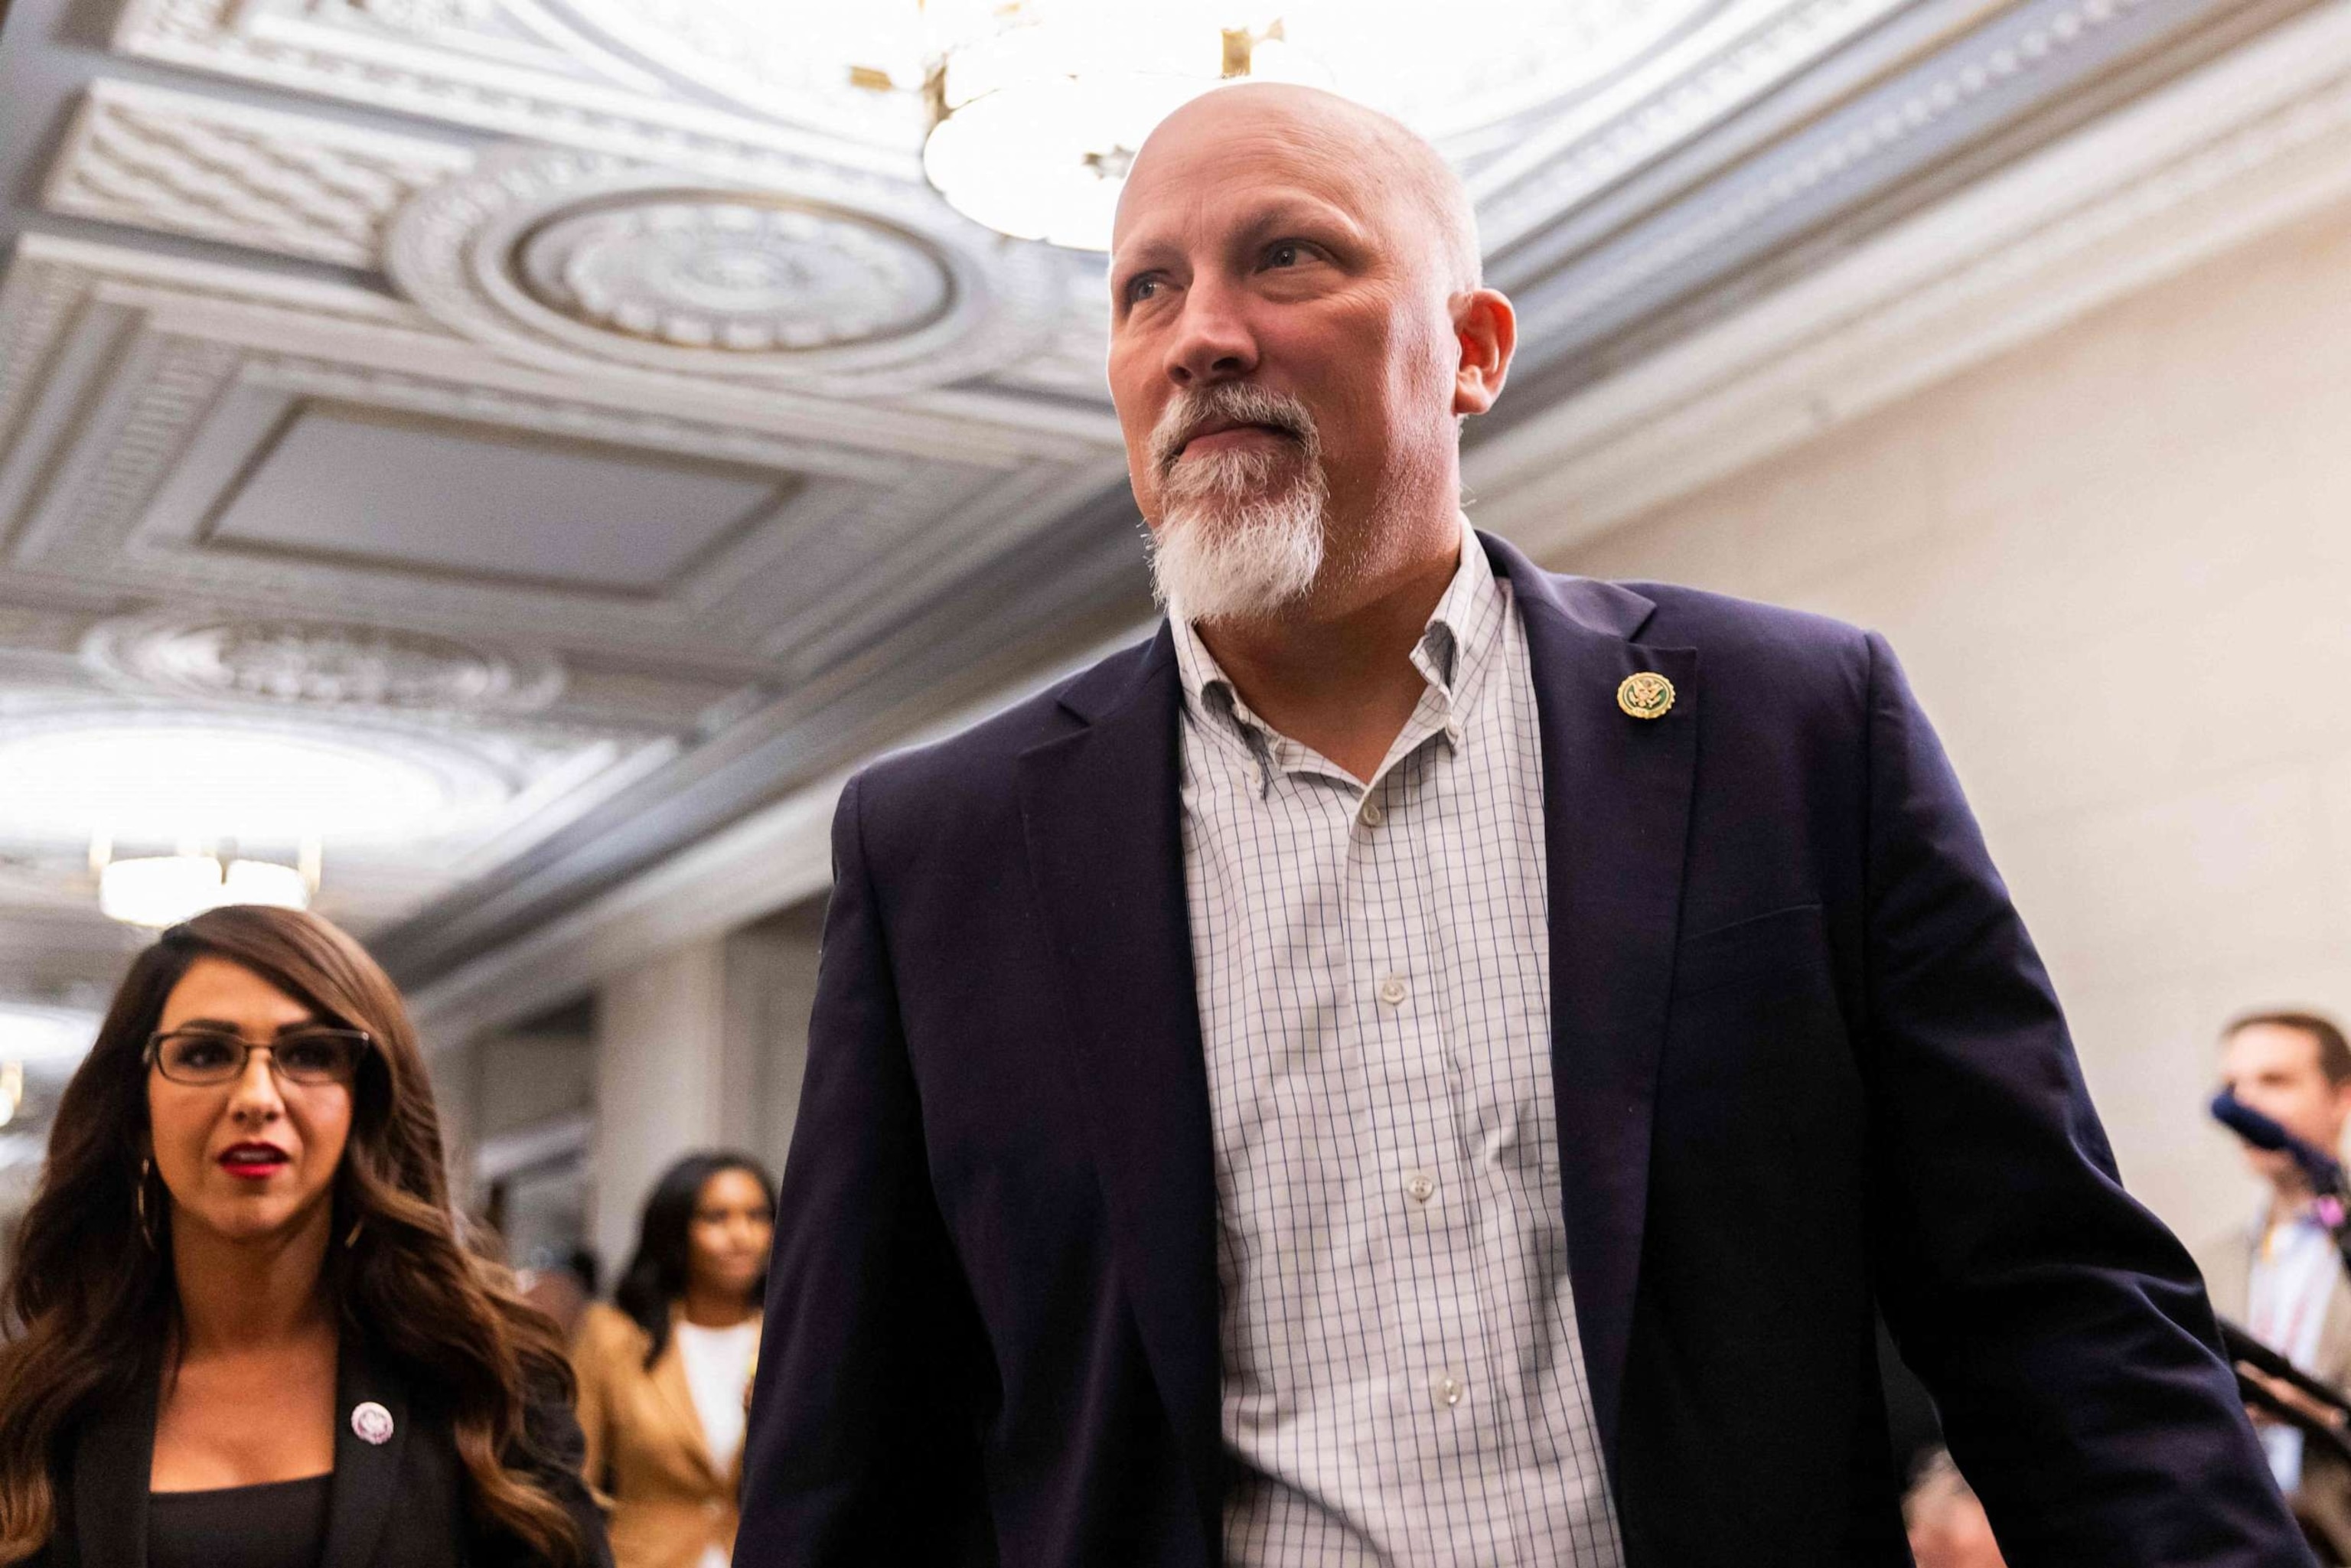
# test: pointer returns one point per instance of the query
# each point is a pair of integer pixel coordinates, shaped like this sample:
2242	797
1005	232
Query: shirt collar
1452	654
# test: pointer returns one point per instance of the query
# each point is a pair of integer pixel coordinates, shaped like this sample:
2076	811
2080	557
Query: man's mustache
1193	413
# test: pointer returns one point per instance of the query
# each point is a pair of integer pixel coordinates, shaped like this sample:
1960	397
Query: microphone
2319	1168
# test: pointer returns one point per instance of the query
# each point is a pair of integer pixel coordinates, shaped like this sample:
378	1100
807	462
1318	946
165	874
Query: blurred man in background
2281	1277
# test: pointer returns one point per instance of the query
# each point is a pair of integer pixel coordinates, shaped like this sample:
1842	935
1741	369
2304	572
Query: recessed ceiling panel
344	484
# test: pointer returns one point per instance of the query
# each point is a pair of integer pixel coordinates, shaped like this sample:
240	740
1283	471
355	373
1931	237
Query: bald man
1427	1061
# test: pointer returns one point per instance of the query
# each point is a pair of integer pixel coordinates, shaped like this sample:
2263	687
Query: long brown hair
91	1304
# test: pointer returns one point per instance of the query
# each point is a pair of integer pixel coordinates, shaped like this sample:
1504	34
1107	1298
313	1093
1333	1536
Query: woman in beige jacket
665	1371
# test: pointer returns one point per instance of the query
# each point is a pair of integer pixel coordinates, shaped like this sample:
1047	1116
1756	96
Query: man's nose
1213	339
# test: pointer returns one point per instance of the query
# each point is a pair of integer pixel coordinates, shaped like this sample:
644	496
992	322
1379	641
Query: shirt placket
1414	1193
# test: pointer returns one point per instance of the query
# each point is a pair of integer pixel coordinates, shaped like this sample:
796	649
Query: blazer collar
1101	818
1097	692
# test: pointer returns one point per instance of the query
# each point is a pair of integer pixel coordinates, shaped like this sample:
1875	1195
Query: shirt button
1447	1388
1419	1185
1373	815
1392	990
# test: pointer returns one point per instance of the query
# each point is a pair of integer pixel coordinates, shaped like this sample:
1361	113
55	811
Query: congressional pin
372	1422
1645	695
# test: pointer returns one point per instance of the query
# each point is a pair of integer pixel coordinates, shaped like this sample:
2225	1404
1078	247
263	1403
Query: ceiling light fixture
157	891
1036	108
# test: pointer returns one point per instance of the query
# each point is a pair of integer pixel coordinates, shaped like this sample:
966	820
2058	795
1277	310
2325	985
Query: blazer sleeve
862	1444
2063	1333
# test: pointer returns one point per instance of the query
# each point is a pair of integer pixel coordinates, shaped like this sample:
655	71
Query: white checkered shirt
1402	1378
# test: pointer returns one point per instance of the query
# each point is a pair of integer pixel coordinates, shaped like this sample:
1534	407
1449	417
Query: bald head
1399	181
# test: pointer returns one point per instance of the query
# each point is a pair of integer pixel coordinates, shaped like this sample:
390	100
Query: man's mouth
254	1162
1208	433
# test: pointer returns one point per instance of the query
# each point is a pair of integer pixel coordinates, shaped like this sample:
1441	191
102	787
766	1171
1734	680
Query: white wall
2118	565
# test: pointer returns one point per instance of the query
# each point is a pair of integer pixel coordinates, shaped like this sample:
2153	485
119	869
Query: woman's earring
352	1240
138	1202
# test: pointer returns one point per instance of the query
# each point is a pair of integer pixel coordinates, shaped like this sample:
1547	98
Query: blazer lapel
367	1474
1100	814
114	1458
1616	809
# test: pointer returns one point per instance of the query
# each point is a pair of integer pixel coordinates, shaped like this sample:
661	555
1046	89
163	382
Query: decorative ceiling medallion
719	270
318	664
852	285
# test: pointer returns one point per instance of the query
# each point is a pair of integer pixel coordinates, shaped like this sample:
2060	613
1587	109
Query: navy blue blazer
1807	1066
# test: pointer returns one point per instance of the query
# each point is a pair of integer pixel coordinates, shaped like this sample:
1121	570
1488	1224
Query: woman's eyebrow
224	1026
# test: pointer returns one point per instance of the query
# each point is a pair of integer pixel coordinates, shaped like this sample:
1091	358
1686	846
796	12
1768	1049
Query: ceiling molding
311	661
2259	137
555	87
129	405
1739	54
1929	86
293	185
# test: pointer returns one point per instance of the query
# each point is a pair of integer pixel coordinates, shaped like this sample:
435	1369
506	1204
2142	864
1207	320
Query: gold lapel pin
1645	695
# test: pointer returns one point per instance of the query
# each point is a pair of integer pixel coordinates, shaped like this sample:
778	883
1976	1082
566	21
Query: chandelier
1038	106
1035	108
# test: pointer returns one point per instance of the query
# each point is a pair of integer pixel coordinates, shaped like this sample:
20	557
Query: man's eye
1142	288
1288	252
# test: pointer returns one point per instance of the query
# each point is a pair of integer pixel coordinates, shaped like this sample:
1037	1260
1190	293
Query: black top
279	1524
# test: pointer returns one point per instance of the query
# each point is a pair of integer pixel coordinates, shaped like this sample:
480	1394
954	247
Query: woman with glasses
241	1328
665	1370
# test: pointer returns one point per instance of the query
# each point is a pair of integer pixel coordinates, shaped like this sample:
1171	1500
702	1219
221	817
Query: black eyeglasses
310	1056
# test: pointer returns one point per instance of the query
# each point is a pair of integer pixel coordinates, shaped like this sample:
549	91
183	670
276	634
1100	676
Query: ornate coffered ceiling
588	396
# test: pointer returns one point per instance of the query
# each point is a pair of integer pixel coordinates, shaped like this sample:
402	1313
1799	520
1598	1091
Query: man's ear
1487	328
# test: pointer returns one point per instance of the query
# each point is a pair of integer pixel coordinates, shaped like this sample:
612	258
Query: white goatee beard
1232	546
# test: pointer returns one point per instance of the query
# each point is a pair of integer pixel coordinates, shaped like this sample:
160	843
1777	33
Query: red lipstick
254	1160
